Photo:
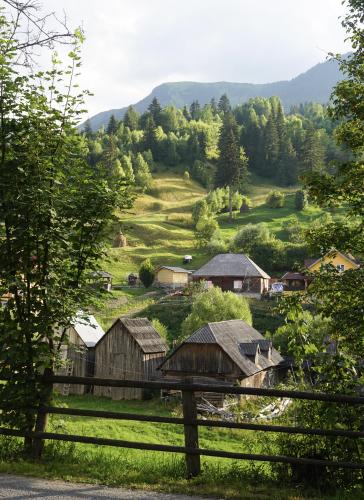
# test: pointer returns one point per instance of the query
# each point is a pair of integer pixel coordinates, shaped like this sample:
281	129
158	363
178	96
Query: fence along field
190	422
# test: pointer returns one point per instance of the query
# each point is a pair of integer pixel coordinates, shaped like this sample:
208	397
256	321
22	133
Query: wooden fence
190	421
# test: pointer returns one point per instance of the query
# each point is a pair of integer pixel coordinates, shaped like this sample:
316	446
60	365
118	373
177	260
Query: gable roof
144	334
174	269
231	264
347	256
293	276
233	336
88	329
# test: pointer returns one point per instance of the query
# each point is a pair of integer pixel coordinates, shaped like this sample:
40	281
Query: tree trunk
230	204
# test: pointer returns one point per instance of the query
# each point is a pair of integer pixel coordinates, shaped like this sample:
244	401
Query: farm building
295	281
130	349
172	277
79	351
227	351
233	272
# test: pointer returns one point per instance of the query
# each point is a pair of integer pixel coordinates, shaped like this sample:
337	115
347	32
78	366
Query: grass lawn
151	470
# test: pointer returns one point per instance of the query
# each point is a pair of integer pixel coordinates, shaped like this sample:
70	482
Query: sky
134	45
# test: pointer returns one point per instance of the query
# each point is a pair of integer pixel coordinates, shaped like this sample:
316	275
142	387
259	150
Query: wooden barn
227	351
172	277
130	349
78	353
233	272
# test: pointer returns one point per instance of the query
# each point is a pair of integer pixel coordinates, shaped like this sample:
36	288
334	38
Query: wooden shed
130	349
233	272
172	277
78	354
226	351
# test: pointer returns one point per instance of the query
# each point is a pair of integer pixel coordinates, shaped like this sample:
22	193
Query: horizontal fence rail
190	421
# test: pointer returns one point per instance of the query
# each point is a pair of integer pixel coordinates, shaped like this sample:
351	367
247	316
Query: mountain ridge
313	85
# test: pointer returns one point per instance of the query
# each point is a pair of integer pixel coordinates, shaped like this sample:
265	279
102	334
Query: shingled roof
233	337
174	269
143	332
231	264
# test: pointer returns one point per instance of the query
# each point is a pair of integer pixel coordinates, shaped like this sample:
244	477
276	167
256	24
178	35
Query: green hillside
160	227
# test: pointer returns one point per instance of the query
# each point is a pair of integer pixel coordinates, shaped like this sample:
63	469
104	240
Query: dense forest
278	146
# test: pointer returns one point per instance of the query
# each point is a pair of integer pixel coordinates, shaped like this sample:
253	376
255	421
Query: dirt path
21	487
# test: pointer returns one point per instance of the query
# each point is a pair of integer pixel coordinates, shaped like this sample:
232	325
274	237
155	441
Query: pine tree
231	167
155	109
250	139
186	113
213	106
112	126
87	129
312	156
195	110
131	118
150	139
287	167
143	177
224	105
270	147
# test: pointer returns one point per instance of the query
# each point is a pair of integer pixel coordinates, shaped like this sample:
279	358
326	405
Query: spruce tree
270	147
312	153
195	110
224	105
231	166
131	118
150	139
155	109
112	126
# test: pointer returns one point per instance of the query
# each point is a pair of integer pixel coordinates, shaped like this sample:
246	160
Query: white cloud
134	45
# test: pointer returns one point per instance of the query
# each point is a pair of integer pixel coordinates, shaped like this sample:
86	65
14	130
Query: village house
295	281
233	272
78	353
131	349
226	352
102	279
172	277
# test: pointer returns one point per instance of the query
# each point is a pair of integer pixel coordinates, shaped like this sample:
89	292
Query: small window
238	284
340	268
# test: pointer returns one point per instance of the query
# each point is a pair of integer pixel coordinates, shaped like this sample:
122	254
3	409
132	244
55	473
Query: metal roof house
230	351
233	272
131	349
78	353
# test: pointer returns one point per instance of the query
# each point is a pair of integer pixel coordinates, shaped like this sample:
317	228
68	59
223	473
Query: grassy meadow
159	226
154	471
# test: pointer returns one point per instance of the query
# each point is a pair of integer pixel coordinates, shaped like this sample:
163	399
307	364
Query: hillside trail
23	487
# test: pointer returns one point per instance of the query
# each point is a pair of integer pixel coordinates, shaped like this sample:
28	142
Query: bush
186	176
160	329
216	245
294	229
300	200
249	235
215	305
270	255
200	209
205	228
275	199
146	273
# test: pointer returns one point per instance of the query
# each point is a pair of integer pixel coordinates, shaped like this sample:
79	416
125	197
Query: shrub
270	255
186	175
205	228
249	235
275	199
200	209
215	305
146	273
160	329
294	229
216	245
300	200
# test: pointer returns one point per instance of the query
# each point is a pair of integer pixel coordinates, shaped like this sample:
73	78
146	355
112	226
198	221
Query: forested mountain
314	85
266	141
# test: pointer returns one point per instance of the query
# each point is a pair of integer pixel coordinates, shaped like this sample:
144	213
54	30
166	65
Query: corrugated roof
230	335
144	334
88	329
174	269
231	264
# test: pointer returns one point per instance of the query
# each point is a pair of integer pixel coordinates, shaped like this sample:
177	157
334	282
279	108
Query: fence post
191	432
42	416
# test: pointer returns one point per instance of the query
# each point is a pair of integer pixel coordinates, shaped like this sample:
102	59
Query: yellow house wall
337	260
169	277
